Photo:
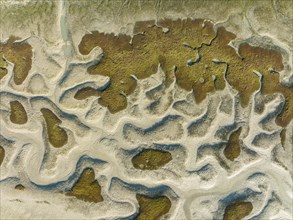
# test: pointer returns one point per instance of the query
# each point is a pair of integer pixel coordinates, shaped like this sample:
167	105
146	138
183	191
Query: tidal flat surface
146	109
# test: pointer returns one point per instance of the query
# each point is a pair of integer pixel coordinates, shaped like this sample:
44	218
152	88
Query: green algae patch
85	93
2	154
87	187
232	150
29	17
18	114
57	135
150	159
152	208
20	54
237	210
19	187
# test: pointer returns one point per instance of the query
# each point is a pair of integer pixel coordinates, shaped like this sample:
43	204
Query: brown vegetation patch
2	154
3	72
240	73
84	93
268	63
283	137
237	210
152	208
198	55
18	114
19	187
57	135
141	58
20	54
87	187
150	159
232	150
